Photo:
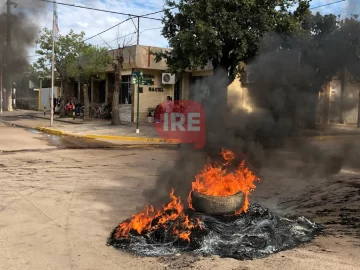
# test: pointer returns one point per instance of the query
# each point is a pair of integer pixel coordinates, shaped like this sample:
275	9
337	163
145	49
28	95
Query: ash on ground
255	234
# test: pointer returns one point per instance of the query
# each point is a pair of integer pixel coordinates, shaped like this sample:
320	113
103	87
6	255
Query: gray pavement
58	207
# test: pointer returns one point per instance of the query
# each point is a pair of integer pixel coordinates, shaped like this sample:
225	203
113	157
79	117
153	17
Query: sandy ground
58	206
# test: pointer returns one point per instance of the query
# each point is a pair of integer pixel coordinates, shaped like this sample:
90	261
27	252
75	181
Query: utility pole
138	31
1	78
8	43
52	68
137	78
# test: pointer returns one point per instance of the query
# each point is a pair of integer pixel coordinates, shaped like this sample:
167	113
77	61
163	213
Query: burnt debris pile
255	234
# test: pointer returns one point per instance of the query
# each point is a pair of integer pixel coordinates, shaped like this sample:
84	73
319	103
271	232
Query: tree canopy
67	48
91	62
224	33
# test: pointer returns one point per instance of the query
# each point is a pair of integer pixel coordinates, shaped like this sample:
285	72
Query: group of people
168	107
69	107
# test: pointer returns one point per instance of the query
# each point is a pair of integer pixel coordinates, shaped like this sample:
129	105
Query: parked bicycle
101	111
79	111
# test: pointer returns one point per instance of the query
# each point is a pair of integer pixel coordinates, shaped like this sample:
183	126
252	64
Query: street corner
51	131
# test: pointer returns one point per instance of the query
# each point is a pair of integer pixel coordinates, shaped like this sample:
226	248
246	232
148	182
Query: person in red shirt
158	112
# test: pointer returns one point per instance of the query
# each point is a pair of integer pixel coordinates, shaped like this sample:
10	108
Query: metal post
39	96
138	103
52	71
8	43
138	31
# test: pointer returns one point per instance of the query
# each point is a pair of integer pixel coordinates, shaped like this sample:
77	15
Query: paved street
59	205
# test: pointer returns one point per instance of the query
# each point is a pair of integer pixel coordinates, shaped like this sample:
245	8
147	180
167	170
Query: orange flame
216	180
213	180
143	221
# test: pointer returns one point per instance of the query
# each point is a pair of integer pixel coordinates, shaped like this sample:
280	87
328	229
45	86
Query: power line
110	11
151	29
328	4
132	33
106	42
112	27
108	29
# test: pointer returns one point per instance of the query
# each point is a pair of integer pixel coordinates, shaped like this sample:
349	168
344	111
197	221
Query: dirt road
58	206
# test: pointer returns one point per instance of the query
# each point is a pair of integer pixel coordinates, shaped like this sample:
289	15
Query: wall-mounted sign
156	89
148	76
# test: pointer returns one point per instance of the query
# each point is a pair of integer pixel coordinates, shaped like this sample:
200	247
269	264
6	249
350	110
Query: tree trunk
115	117
86	101
9	100
358	121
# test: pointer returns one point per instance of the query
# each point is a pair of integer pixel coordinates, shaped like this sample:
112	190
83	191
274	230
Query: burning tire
217	205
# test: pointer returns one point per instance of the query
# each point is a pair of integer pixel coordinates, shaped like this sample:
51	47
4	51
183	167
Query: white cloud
83	24
93	22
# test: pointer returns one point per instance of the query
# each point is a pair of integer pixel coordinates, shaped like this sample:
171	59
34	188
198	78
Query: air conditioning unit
168	78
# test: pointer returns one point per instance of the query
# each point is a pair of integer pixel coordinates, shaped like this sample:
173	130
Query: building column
106	88
92	90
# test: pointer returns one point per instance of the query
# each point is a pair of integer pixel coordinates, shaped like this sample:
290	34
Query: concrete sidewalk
125	133
93	129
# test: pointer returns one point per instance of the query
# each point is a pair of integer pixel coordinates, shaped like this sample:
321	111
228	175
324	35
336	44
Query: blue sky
93	22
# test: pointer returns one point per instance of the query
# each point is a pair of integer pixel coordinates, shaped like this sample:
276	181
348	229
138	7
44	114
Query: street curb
127	138
51	131
108	137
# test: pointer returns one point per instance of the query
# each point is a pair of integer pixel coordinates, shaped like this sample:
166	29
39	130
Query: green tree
91	63
67	48
224	33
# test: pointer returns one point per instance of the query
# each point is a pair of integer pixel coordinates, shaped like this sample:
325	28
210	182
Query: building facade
192	85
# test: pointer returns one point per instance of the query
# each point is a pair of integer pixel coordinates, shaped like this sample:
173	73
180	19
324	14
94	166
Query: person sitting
158	112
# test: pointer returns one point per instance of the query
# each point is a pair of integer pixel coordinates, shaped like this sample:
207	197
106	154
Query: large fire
213	180
216	180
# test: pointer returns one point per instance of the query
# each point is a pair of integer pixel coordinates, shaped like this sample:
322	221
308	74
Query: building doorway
177	91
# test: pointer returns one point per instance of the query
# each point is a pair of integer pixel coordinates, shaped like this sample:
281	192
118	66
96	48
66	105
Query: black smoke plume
284	98
24	30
